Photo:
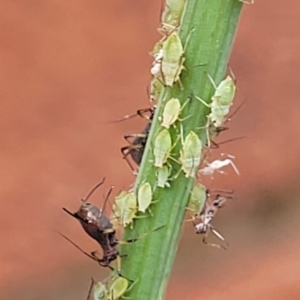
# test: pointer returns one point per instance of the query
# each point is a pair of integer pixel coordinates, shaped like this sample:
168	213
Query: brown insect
136	146
98	227
206	217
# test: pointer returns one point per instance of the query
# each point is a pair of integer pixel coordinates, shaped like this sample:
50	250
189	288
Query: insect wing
171	112
162	148
144	196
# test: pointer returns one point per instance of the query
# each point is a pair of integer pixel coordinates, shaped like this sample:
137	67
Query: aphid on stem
112	288
162	148
197	199
171	112
171	16
173	59
190	154
221	100
124	208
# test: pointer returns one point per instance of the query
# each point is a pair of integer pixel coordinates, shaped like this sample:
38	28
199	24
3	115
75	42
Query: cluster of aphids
203	204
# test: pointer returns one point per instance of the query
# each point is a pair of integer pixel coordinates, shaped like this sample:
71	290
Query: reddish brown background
69	67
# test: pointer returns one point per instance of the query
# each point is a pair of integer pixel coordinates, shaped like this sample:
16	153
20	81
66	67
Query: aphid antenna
211	80
231	73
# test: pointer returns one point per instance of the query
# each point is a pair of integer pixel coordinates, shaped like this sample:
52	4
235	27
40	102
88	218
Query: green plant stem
150	260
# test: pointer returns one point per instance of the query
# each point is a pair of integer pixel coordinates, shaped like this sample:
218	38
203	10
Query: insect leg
90	289
204	240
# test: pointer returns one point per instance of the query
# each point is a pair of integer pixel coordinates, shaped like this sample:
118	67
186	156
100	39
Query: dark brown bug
206	217
137	146
99	227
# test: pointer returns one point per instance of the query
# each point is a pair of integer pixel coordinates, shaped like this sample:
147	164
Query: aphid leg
212	81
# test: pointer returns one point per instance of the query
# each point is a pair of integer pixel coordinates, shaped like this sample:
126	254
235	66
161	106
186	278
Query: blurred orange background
67	69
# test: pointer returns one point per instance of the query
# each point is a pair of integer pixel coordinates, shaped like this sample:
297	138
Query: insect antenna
93	190
75	215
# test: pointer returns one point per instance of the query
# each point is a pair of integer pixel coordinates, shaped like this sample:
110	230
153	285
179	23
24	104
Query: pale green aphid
118	288
163	176
162	148
172	14
197	199
171	112
172	60
124	208
144	196
190	154
111	290
221	101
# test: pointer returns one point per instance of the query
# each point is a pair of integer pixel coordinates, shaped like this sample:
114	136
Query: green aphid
124	208
172	60
222	99
197	199
162	148
144	196
163	177
190	154
171	16
171	112
111	290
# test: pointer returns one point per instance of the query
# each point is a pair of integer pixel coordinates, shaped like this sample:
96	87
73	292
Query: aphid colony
168	65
